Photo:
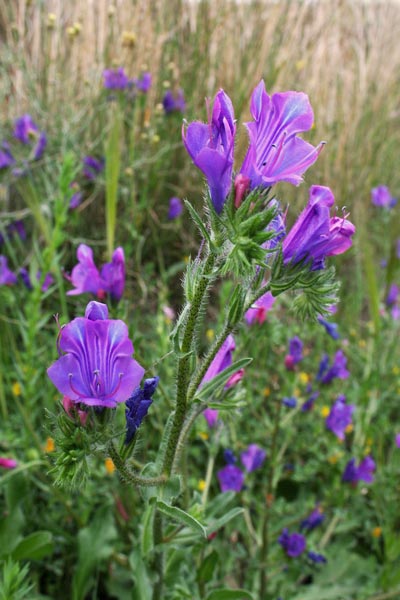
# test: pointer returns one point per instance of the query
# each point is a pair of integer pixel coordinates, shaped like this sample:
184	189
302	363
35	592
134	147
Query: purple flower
276	153
340	417
230	478
330	328
381	196
96	367
40	146
115	79
6	158
337	370
8	463
7	277
175	208
47	282
222	360
75	200
211	416
16	227
316	234
393	294
314	519
397	440
174	102
295	353
253	457
293	544
258	312
229	457
138	405
143	83
398	248
113	275
211	148
364	471
289	402
86	277
25	129
309	403
317	558
92	167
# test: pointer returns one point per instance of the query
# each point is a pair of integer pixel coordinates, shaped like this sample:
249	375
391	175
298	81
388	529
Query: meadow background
345	55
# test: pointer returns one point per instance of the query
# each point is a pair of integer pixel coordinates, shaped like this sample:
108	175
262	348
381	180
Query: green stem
184	364
265	524
127	474
158	561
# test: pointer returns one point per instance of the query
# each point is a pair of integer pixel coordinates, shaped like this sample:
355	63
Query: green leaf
147	533
218	523
207	567
142	588
177	514
34	546
211	387
197	219
225	594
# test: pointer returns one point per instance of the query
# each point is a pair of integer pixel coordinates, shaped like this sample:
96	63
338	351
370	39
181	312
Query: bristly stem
184	363
127	475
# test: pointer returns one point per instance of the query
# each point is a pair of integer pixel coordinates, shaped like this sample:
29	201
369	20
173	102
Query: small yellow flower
16	389
128	171
51	17
71	31
367	450
210	334
110	467
203	435
352	332
325	410
201	485
267	392
396	370
300	64
377	532
155	139
186	259
304	378
50	445
77	27
362	344
349	428
166	84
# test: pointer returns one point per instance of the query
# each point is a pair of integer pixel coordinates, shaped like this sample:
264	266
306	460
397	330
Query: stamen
120	375
278	150
70	375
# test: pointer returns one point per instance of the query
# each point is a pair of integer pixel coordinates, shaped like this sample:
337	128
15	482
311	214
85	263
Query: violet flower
309	403
340	417
95	367
276	153
317	558
92	167
381	196
293	544
7	277
314	519
337	370
330	328
295	353
174	102
6	158
115	79
25	129
175	208
362	472
138	405
258	312
253	457
14	228
113	275
397	440
211	416
316	234
393	295
229	457
230	478
289	402
211	148
143	83
40	146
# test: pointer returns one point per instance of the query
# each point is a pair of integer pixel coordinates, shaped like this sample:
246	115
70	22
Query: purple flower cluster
117	79
293	544
338	369
7	277
27	133
381	196
363	472
174	102
314	519
86	278
95	367
231	477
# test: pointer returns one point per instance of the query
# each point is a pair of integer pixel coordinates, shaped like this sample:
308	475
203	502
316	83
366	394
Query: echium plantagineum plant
244	239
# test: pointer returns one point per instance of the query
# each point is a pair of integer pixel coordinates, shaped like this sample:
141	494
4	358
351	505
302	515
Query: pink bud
242	186
235	378
289	362
8	463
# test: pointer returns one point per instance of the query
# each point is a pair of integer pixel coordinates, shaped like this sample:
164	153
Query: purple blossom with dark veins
95	367
381	196
276	153
138	405
330	328
115	79
211	145
293	544
6	158
314	519
25	129
337	370
92	167
253	457
175	208
174	102
230	478
7	277
340	416
316	235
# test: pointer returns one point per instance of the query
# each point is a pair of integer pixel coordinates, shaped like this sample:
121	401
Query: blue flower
138	405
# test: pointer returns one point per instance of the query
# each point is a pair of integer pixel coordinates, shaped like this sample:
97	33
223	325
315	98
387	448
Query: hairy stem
127	474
